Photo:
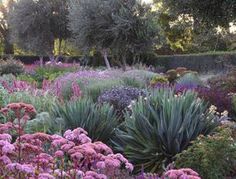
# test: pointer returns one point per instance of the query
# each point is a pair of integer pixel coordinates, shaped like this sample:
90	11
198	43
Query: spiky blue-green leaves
161	126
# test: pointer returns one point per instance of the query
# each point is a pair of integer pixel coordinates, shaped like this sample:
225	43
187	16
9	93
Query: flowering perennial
41	155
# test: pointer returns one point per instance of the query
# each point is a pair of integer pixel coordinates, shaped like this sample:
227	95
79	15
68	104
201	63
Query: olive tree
118	27
5	8
37	24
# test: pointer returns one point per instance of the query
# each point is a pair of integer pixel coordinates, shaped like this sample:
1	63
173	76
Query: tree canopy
36	24
118	26
212	13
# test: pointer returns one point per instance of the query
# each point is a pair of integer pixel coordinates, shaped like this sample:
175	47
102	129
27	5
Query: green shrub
189	79
95	87
213	157
11	66
137	78
159	80
50	73
41	123
98	121
234	105
226	82
41	102
28	78
161	126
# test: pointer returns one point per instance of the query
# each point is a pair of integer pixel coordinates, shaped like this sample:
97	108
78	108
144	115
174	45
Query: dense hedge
201	63
89	60
198	62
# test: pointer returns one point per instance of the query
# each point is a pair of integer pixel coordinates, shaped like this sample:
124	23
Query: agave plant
161	126
98	121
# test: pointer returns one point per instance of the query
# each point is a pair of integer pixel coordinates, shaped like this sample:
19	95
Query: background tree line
119	28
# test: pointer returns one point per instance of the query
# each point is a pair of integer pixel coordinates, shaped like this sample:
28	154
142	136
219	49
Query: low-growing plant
220	98
234	105
99	120
213	157
162	125
43	101
120	98
28	78
91	83
171	174
226	82
138	78
11	66
158	80
40	155
172	75
41	123
96	88
188	81
51	72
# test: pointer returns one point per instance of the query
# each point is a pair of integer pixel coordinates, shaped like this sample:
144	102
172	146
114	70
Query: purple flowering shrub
43	156
225	82
219	98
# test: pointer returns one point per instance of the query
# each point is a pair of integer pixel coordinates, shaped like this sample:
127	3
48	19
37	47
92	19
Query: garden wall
197	62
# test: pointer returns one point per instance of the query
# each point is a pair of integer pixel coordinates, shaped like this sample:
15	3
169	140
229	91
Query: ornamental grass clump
98	120
161	126
40	155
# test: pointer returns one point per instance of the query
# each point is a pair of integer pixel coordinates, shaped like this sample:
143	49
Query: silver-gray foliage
116	26
36	24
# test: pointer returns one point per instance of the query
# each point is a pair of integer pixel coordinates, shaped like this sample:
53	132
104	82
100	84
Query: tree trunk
104	52
8	47
59	47
41	61
124	62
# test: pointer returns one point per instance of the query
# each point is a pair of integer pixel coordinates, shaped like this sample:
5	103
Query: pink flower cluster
20	110
57	89
17	85
72	155
184	173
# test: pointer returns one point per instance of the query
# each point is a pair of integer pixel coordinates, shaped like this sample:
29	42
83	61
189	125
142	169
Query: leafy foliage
41	123
138	78
5	9
11	66
220	98
213	157
42	102
221	13
36	25
99	121
120	98
188	81
119	26
226	82
162	126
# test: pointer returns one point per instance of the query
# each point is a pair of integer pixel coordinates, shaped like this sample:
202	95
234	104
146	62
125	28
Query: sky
147	1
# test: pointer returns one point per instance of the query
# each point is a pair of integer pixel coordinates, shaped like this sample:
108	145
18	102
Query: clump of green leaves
213	157
11	66
98	120
161	126
42	102
137	78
